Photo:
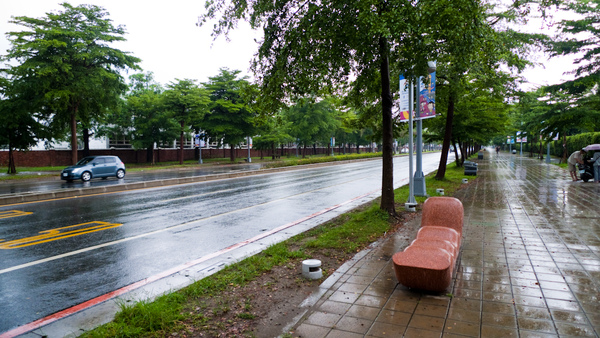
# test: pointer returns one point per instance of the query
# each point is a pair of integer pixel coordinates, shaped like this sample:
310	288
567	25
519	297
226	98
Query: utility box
480	155
470	168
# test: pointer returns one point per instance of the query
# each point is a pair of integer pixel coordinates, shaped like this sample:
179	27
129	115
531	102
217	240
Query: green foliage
312	122
143	318
66	69
575	104
360	228
272	131
19	129
580	37
575	142
186	101
187	104
230	118
152	122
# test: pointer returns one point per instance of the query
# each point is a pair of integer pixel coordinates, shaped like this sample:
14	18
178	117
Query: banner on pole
404	99
427	97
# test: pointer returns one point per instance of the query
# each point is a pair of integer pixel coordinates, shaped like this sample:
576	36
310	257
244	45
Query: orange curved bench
428	262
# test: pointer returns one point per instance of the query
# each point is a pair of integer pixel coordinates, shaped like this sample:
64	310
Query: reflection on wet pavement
529	266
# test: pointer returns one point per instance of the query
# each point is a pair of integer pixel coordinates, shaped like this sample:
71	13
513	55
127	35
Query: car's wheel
120	173
86	176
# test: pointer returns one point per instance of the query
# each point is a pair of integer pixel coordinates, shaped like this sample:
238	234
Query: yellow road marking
13	213
58	233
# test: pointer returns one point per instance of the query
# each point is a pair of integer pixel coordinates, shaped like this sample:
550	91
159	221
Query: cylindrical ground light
311	269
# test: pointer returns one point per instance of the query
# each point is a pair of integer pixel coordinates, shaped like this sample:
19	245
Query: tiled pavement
529	266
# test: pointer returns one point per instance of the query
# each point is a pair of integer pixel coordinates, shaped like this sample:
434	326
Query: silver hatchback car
94	167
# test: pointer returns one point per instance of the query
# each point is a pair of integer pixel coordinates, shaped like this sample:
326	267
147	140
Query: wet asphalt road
59	253
55	183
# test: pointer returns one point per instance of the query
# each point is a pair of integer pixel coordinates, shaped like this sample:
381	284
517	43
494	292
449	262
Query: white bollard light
410	206
440	192
311	269
465	180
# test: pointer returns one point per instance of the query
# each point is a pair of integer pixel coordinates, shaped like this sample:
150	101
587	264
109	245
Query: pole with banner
425	109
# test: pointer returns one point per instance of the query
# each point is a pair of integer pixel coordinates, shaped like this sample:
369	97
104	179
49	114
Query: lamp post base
419	184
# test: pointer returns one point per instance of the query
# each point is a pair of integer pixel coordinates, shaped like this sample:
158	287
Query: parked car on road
94	167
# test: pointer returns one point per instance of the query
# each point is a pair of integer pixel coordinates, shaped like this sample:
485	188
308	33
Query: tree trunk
232	153
387	181
441	173
181	143
304	151
74	136
150	154
12	169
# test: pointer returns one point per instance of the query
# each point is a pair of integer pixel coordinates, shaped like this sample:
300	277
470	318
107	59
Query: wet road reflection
54	183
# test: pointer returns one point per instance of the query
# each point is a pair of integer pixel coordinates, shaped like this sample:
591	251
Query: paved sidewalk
529	266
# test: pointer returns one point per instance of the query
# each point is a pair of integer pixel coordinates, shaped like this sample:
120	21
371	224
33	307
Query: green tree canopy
271	132
187	103
152	122
230	118
19	130
67	70
312	122
575	104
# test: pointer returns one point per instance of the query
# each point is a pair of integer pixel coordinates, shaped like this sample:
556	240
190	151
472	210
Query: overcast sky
165	36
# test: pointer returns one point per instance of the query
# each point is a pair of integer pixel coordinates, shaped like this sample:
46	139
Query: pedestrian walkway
529	266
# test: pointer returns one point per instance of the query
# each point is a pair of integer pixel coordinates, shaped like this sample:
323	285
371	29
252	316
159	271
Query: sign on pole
427	97
404	99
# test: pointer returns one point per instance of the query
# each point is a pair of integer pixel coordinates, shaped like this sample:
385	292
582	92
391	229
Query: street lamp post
248	143
411	203
419	180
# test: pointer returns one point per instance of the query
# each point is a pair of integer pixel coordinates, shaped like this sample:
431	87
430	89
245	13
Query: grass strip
349	233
